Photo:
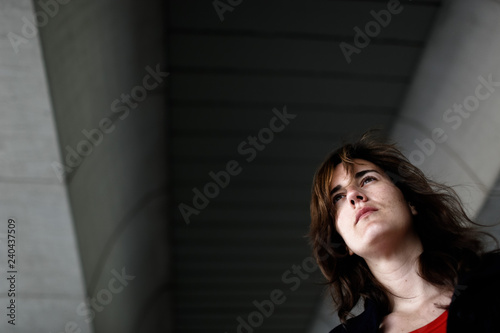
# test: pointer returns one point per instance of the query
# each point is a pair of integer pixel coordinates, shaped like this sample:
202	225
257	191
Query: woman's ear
412	209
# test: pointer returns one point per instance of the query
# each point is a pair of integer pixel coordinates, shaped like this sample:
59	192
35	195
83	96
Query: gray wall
99	57
47	286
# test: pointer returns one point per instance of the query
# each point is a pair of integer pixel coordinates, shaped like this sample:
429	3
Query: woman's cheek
341	224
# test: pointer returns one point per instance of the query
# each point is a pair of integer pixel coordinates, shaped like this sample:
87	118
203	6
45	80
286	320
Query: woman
401	243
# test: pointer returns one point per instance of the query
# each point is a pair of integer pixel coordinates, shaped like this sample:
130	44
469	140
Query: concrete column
106	65
37	239
449	124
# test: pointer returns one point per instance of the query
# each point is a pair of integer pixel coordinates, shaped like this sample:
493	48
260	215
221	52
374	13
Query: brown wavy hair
451	241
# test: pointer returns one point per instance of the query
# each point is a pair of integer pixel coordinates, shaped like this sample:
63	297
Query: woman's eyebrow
356	176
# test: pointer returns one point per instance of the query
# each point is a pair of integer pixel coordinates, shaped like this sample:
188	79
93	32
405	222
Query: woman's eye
367	180
337	198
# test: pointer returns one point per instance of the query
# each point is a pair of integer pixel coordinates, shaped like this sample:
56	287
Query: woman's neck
398	271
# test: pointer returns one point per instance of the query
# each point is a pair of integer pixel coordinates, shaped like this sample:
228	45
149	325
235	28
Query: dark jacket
475	305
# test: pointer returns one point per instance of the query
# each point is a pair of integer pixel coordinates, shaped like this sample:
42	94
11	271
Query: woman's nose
355	197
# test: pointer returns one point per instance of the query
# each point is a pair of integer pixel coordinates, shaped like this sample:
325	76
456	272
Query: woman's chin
376	235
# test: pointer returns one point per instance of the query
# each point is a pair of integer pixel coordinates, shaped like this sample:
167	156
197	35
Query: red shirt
438	325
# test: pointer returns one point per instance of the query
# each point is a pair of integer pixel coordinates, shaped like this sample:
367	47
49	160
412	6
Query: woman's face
371	213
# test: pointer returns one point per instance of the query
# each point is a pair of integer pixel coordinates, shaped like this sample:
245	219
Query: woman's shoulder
480	281
366	322
476	300
487	266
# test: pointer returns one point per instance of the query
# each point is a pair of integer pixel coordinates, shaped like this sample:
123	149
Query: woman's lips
365	211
